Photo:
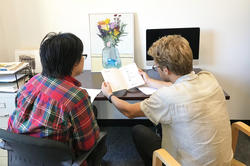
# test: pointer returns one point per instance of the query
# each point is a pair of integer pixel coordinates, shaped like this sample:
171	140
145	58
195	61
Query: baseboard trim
123	122
133	122
244	121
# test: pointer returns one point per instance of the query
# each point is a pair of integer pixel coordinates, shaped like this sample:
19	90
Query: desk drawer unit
7	103
6	106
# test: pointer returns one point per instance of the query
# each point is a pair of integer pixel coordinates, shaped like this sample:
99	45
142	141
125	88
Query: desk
93	80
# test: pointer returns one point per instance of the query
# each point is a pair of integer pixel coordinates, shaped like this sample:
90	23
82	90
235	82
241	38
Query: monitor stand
149	62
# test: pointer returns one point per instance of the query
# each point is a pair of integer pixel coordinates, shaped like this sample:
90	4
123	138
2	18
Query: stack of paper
10	77
11	86
11	67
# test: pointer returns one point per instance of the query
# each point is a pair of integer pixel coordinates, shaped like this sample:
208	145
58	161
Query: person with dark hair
53	105
190	107
59	54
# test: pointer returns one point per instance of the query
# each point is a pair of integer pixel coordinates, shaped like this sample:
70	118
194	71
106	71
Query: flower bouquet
110	33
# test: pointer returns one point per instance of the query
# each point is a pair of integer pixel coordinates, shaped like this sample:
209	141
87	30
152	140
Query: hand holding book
106	89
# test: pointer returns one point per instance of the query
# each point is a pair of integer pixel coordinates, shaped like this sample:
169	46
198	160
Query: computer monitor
191	34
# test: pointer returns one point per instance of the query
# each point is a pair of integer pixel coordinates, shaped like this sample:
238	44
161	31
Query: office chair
162	156
29	151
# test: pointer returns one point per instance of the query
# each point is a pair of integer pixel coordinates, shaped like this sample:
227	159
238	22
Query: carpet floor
122	151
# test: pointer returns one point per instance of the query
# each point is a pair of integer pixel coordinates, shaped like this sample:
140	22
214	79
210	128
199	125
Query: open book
126	77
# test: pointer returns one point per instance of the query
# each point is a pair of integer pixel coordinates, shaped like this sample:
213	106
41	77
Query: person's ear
165	70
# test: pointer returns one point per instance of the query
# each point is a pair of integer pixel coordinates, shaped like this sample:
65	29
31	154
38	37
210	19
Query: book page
131	75
115	79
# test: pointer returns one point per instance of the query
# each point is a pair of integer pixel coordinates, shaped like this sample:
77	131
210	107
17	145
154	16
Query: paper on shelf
92	93
11	67
10	77
11	86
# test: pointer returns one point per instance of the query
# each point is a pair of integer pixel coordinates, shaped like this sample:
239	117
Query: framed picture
111	39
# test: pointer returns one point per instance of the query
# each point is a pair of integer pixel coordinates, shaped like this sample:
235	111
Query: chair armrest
4	145
242	127
236	126
162	156
235	162
85	155
81	158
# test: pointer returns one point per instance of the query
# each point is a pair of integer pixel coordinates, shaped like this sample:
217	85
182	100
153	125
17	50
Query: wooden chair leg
162	156
156	161
235	135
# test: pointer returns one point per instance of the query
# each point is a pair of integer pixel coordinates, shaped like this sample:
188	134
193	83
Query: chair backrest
27	150
236	127
162	156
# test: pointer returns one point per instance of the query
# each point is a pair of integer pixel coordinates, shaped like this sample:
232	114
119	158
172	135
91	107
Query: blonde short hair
173	52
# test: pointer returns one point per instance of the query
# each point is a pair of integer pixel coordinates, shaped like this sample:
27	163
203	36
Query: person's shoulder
206	74
166	92
68	90
32	82
81	91
207	77
74	97
78	93
35	78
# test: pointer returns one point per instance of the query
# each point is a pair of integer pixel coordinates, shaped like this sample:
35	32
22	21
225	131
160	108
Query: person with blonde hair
191	109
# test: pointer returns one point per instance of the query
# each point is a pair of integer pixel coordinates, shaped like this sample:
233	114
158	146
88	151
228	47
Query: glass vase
110	57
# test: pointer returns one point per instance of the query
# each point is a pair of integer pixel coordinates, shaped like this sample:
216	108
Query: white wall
225	32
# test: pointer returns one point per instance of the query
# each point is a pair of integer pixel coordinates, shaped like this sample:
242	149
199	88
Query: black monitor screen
191	34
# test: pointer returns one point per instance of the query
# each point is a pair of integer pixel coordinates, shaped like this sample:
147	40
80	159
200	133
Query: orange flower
101	23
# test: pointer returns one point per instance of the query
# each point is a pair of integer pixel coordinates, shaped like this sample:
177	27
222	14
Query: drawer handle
2	105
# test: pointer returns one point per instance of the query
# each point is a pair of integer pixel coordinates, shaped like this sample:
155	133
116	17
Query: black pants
146	142
96	156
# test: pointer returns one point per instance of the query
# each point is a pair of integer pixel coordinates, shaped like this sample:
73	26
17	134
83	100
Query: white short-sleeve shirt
195	124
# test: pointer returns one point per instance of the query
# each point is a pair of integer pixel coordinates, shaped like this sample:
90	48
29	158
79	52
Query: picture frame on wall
111	40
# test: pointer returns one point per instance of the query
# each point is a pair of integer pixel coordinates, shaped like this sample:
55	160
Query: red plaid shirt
57	109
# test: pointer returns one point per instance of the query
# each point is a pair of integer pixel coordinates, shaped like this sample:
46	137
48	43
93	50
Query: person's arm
127	109
152	82
85	127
